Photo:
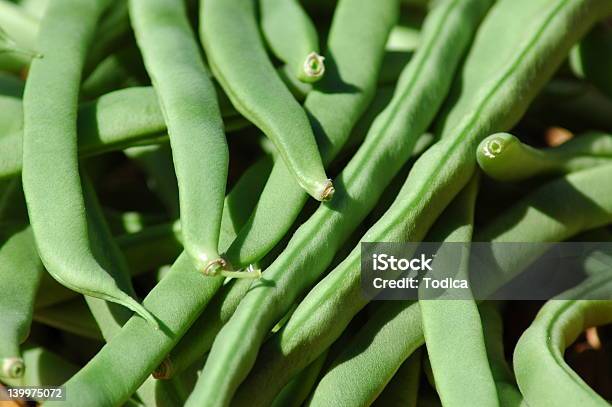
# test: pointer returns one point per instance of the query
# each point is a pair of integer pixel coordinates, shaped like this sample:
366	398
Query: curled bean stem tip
13	367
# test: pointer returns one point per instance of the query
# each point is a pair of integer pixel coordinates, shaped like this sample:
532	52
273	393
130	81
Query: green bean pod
504	157
403	389
20	273
18	34
507	390
177	300
591	59
543	376
314	325
462	327
188	101
491	94
238	60
387	147
115	121
451	323
292	37
51	180
71	316
45	368
358	33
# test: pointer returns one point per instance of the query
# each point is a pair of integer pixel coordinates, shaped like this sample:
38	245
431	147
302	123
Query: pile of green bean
185	187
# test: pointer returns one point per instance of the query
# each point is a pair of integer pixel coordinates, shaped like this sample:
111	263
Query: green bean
451	323
190	108
177	300
402	390
358	33
543	376
307	333
238	205
51	180
20	272
504	157
455	225
138	348
488	99
45	368
509	395
295	393
115	121
591	60
387	147
292	37
258	93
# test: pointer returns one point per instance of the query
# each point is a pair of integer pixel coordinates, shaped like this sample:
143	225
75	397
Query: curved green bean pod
189	104
358	33
490	100
448	325
202	334
534	219
255	89
508	392
20	273
591	59
51	180
403	389
138	348
45	368
387	147
543	376
177	300
198	340
452	326
504	157
292	37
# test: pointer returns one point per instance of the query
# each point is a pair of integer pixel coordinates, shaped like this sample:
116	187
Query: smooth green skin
51	180
176	301
542	375
504	157
202	334
591	59
238	60
536	218
189	104
452	326
496	83
507	390
388	145
447	330
402	390
295	393
20	273
358	33
291	35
